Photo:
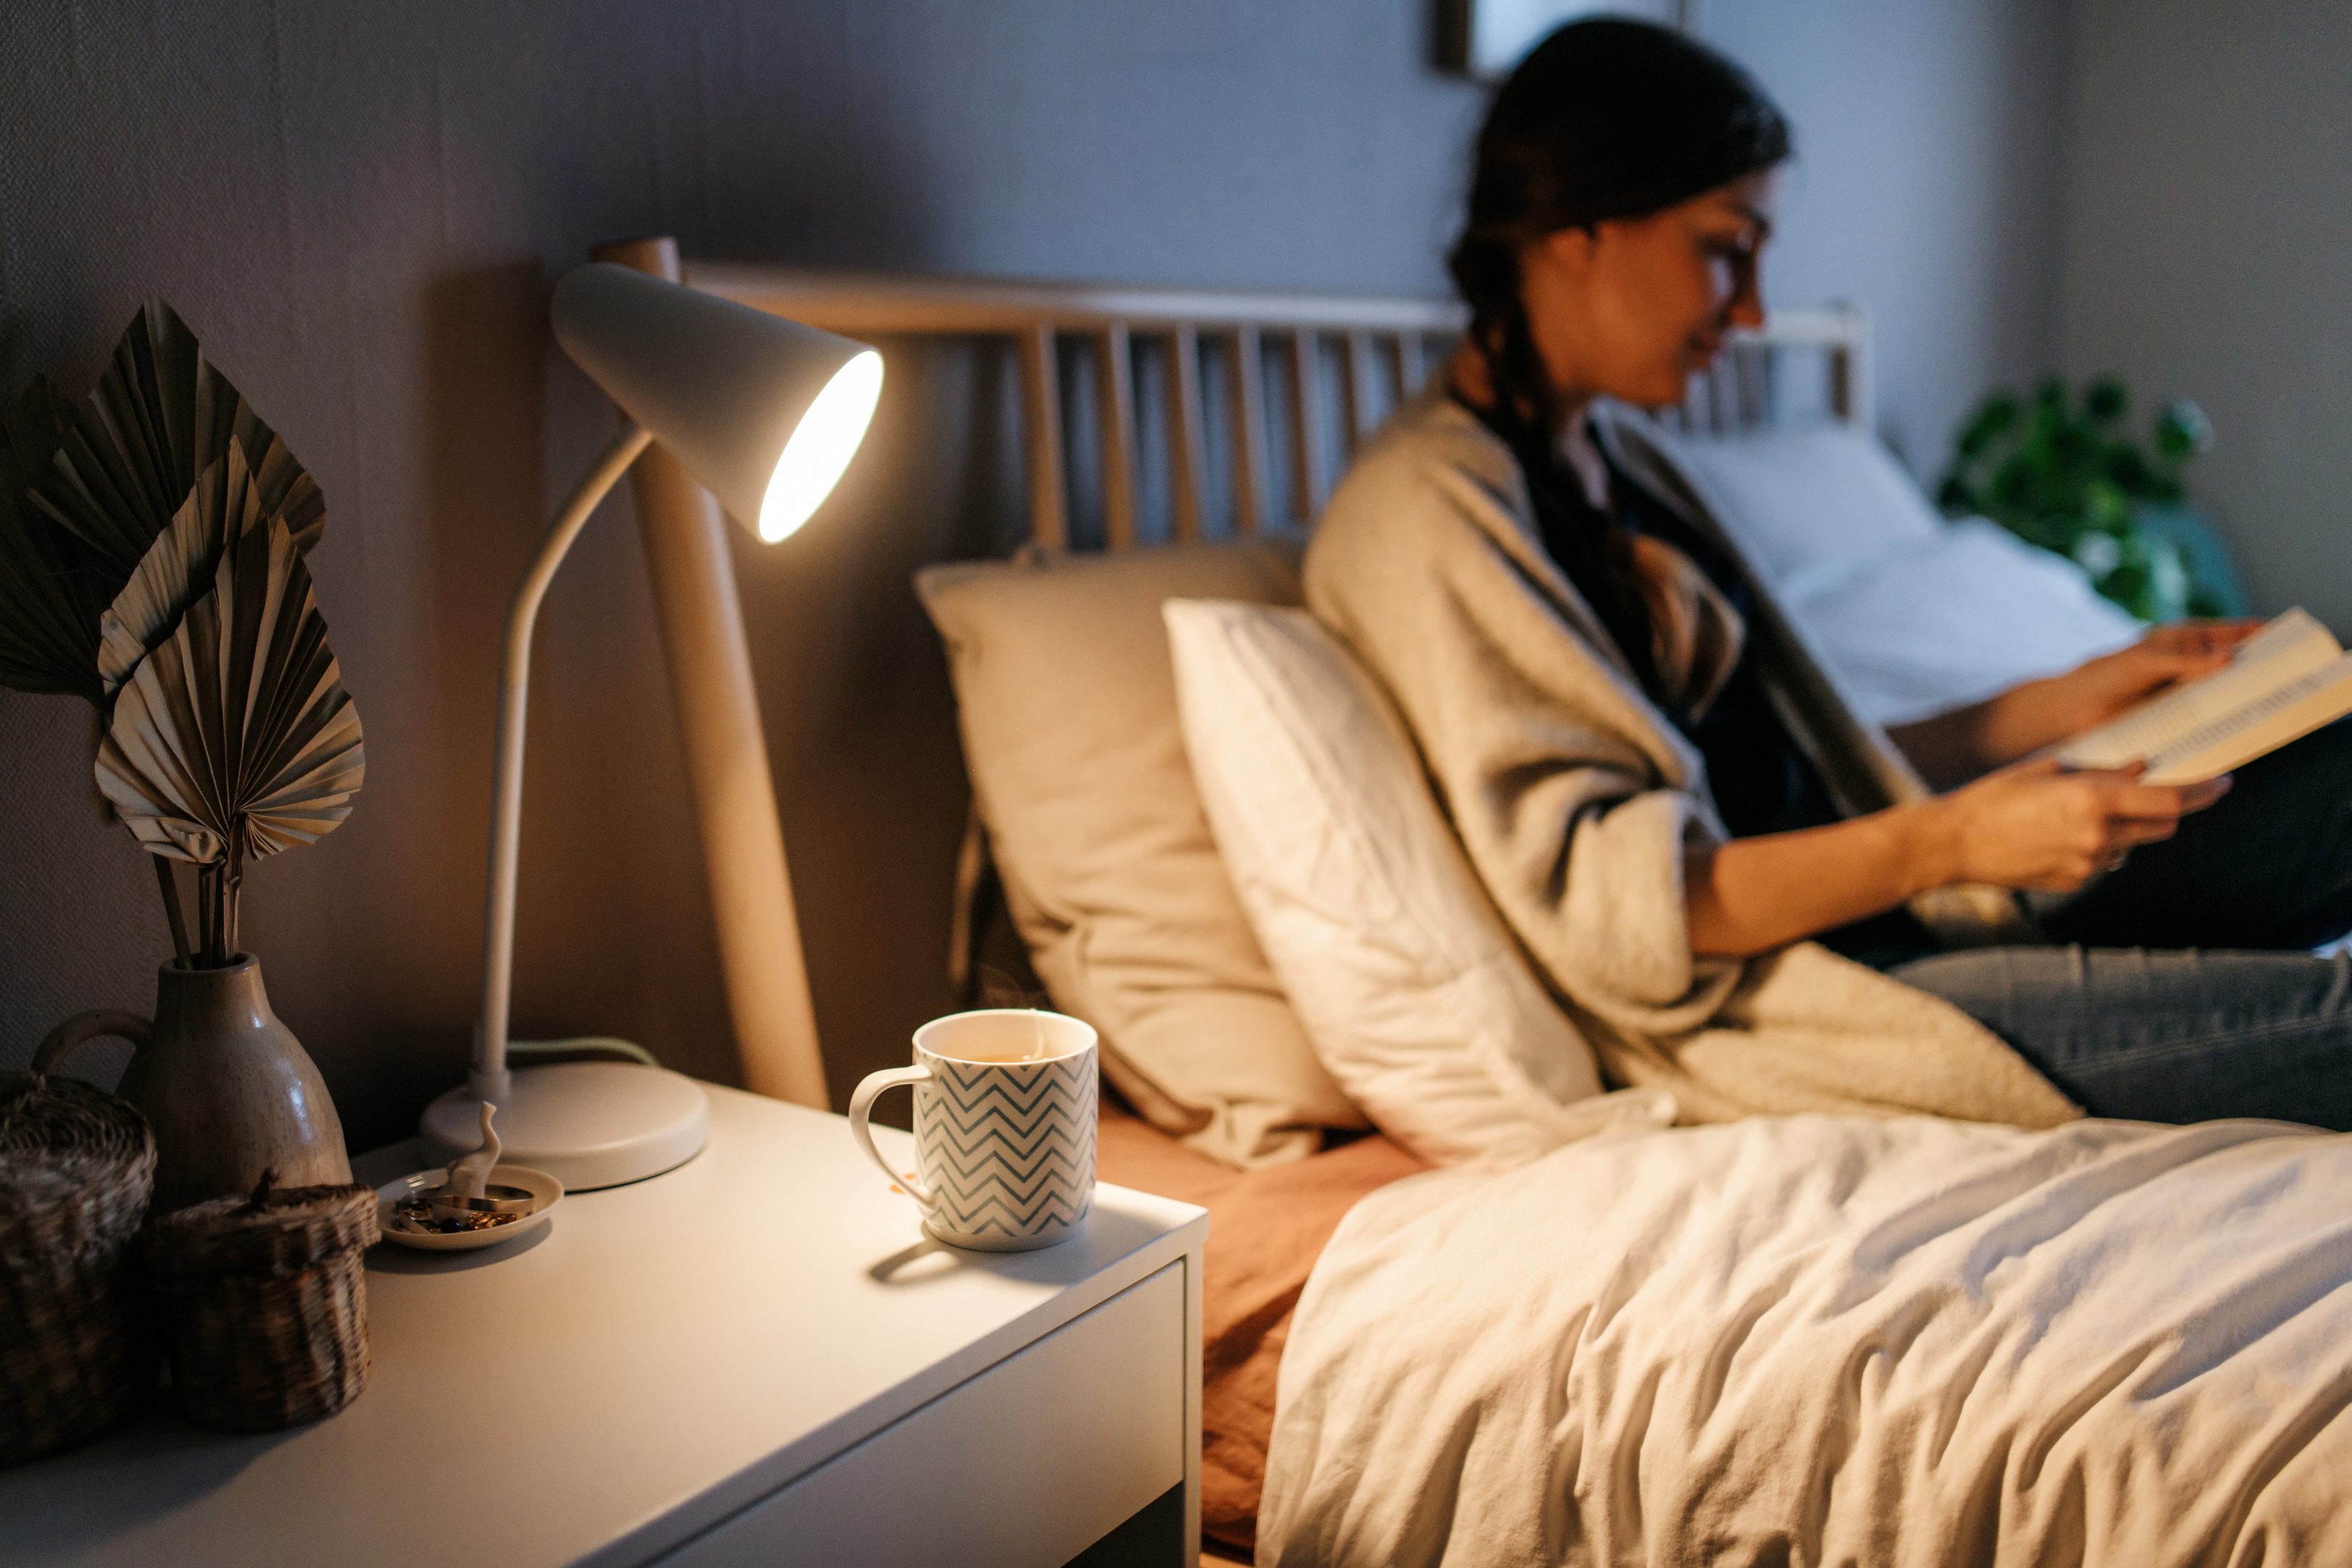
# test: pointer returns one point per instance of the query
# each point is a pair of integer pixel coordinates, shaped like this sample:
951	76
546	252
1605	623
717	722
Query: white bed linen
1939	623
1917	615
1815	1340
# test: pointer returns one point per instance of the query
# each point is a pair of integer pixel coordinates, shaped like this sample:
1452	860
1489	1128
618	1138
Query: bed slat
1410	372
856	303
1041	411
1115	392
1306	425
1186	459
733	789
1355	387
1245	373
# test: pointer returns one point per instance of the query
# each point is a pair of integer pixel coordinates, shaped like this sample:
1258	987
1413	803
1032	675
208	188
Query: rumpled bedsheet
1824	1340
1266	1228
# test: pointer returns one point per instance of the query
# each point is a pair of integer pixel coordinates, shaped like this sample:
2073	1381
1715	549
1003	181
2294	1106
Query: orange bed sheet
1267	1227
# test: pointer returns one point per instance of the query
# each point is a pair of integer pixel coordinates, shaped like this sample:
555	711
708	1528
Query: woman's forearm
1754	894
1952	748
2035	825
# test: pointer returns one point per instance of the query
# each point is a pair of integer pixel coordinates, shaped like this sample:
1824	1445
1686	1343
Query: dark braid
1605	119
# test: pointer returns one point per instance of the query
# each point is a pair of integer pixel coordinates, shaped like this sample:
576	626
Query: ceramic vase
228	1088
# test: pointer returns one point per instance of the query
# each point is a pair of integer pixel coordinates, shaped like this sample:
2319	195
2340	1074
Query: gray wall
1926	187
2210	255
361	207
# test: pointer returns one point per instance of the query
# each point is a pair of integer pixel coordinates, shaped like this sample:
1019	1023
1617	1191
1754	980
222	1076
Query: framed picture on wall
1484	38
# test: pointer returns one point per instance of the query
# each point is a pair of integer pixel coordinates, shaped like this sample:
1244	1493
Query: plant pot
230	1090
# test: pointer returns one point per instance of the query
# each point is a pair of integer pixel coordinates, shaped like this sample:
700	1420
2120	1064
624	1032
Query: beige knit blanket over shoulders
1576	798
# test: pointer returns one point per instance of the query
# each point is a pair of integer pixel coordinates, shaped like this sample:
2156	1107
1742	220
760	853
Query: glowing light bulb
822	446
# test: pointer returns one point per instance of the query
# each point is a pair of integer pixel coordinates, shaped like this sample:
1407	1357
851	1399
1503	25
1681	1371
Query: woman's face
1631	307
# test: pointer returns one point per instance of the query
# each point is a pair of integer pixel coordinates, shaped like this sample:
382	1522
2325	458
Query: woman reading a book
1738	890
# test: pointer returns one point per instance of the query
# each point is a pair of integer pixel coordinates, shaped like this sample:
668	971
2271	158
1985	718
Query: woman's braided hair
1605	119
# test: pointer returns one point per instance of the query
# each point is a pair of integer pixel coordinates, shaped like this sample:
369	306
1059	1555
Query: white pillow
1934	625
1410	987
1806	494
1917	615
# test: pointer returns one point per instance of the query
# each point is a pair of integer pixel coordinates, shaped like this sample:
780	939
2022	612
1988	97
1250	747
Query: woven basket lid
77	1164
277	1230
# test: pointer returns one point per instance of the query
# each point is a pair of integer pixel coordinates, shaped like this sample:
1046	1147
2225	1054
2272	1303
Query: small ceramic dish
544	1188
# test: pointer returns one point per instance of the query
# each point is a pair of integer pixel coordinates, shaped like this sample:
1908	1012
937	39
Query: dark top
1761	780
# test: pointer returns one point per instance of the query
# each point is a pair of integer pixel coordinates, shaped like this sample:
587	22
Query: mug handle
91	1026
861	1108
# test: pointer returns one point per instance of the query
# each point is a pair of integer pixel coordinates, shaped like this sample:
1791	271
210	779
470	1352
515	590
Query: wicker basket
76	1349
265	1304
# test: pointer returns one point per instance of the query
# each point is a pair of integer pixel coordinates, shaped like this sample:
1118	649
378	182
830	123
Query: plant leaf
178	568
159	417
52	586
2182	430
240	713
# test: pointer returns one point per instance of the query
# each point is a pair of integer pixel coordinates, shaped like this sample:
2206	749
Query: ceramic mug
1005	1126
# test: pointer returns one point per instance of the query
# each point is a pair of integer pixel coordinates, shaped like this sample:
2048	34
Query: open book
2281	684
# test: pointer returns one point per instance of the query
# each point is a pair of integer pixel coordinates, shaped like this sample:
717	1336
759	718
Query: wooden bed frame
1339	361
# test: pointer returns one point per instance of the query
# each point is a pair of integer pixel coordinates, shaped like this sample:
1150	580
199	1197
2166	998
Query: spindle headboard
1300	381
1340	363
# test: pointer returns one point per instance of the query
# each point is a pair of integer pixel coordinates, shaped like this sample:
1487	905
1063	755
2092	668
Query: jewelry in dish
545	1190
474	1201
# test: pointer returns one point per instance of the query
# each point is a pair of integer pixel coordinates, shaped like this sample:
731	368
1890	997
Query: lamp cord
629	1048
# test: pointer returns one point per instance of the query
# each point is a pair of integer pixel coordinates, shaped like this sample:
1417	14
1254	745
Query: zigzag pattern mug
1005	1126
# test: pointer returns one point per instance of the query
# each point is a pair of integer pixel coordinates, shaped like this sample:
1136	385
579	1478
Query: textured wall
361	208
2210	255
1928	186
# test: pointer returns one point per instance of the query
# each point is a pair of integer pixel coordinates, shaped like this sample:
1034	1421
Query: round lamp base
587	1124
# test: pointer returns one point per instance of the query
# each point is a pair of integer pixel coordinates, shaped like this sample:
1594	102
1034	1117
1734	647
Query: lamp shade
764	412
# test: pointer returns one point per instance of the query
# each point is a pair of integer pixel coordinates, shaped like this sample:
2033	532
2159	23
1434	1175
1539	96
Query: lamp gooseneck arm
491	1080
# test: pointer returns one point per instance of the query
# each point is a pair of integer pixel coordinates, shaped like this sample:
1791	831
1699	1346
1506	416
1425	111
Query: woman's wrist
2028	716
1953	748
1932	839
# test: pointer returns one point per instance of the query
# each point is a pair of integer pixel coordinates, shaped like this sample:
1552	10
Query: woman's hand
2043	826
2092	693
1955	747
2034	826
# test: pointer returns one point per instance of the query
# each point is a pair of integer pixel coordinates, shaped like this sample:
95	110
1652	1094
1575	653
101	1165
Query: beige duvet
1833	1340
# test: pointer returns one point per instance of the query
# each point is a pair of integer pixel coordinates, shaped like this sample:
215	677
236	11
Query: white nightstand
756	1358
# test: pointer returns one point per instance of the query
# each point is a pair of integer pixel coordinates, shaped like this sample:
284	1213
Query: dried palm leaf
178	568
53	587
234	735
158	419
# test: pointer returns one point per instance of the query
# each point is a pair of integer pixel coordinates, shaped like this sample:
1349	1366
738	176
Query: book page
2287	713
2289	648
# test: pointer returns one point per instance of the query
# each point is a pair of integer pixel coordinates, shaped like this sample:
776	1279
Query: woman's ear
1569	250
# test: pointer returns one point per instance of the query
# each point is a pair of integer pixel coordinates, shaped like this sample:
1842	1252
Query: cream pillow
1068	712
1415	995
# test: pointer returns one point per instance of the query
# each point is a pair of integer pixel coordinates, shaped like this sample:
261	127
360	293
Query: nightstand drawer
1024	1466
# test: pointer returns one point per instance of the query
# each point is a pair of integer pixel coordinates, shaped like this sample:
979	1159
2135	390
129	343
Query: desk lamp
765	413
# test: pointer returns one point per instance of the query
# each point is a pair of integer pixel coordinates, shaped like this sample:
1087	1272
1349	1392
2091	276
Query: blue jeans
2186	990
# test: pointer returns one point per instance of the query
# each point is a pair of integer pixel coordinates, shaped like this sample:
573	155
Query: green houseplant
2064	473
